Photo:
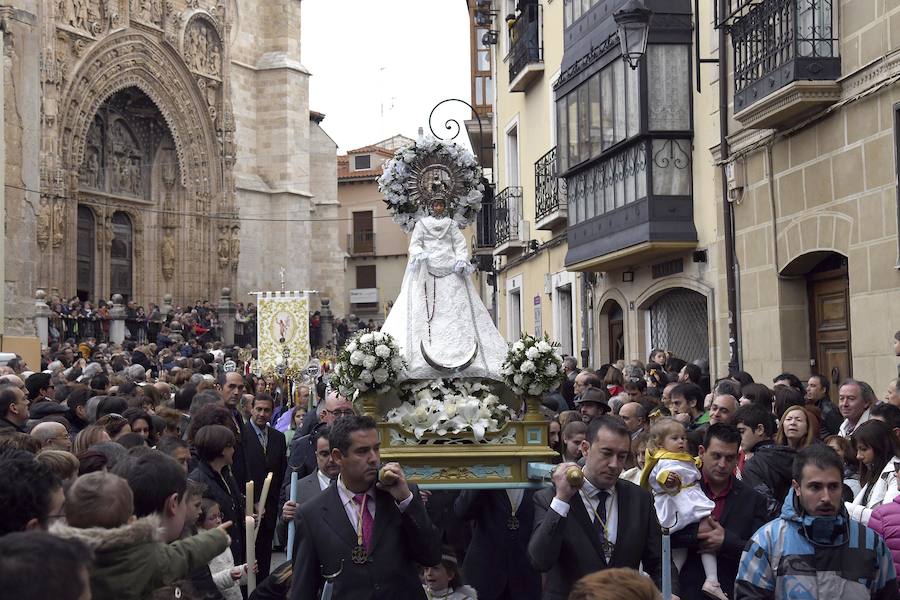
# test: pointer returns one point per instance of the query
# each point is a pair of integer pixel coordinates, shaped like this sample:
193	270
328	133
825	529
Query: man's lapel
386	512
624	512
336	517
579	512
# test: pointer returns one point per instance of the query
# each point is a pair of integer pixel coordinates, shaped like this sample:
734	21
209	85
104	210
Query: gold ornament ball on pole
575	477
387	477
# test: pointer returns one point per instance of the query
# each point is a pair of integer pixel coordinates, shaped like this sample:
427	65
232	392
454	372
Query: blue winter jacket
845	562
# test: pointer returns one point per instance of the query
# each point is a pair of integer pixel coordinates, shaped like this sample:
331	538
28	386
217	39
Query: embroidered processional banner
283	332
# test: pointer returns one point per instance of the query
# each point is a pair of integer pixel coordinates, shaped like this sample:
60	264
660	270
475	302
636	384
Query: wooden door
616	341
829	311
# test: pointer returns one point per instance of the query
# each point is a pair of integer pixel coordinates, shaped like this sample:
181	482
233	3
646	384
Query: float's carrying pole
292	526
666	564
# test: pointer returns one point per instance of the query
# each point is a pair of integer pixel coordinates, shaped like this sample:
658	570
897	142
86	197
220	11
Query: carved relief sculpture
90	170
202	49
167	256
149	11
59	222
43	223
84	15
235	247
224	250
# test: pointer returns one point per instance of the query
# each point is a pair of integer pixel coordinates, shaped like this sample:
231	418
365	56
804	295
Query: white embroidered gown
690	504
437	287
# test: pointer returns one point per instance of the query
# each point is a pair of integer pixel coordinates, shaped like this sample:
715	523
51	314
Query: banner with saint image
283	333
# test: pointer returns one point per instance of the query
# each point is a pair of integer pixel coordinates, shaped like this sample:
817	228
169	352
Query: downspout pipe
734	357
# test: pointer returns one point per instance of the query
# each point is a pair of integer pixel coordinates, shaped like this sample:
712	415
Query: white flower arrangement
370	362
394	182
451	407
533	366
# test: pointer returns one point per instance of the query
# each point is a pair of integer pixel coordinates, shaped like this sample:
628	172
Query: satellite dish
450	368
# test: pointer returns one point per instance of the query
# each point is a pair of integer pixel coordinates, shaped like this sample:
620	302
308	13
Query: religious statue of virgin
439	321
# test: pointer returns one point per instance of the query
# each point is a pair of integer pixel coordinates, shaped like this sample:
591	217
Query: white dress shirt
846	429
515	499
352	508
324	481
589	498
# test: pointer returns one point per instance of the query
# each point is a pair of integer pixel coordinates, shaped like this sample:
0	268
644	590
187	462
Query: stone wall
21	126
834	188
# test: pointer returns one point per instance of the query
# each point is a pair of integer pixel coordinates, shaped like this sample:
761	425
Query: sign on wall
363	295
538	325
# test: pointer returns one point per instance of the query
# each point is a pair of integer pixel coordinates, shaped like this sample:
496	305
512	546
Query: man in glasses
302	458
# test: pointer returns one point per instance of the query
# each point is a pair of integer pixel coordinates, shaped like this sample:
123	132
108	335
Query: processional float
455	405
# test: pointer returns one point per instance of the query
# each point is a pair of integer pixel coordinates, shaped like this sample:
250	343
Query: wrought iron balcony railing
550	189
525	44
777	42
485	235
727	11
361	243
507	213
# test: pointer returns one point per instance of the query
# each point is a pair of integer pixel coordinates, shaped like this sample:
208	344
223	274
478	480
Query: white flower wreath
451	407
401	181
533	366
370	362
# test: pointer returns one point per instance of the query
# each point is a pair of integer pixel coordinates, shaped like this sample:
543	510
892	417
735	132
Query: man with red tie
371	533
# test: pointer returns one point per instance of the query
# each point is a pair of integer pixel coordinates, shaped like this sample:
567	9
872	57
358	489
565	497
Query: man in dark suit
739	512
496	563
231	388
608	523
372	534
303	449
265	451
315	483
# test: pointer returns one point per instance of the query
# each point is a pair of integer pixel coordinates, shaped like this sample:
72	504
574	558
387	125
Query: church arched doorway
129	181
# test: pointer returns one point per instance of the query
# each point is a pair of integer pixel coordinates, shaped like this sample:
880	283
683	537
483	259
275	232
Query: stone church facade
163	147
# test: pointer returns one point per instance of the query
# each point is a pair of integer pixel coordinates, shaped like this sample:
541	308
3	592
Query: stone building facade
376	248
162	146
812	179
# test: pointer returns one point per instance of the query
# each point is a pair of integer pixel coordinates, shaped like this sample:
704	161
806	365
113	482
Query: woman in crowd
214	445
297	414
875	451
140	422
555	430
798	428
87	437
845	451
614	381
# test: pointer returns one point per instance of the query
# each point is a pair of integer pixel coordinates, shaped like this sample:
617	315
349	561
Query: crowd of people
131	472
79	320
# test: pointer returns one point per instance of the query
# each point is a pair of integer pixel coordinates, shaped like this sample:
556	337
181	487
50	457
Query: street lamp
633	21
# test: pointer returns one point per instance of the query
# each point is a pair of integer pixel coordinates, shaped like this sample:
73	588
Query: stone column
226	316
117	320
42	318
326	323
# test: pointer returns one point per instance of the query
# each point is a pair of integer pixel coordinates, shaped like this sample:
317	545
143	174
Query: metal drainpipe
734	358
585	316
